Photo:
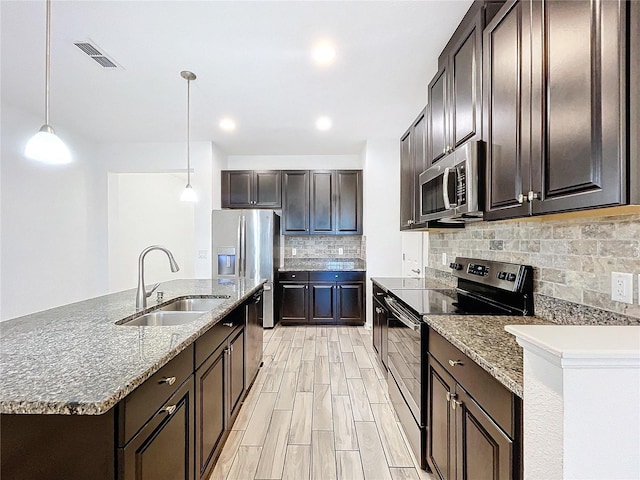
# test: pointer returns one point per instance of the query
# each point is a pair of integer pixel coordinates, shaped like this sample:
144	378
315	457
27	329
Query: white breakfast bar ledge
581	401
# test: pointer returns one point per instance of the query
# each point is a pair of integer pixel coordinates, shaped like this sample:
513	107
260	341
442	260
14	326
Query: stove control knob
511	277
455	266
502	275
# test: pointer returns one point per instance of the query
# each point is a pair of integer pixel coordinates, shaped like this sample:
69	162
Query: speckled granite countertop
484	339
74	360
481	337
324	264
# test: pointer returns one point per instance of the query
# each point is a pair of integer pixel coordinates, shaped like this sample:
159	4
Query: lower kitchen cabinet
171	427
474	423
321	298
164	446
220	387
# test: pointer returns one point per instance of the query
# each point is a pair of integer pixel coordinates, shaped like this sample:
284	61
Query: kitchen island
74	379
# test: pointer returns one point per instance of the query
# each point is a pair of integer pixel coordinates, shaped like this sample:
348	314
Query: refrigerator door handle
243	247
239	259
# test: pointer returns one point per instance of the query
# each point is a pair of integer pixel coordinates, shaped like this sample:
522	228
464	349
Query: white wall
381	165
53	251
145	209
171	158
294	162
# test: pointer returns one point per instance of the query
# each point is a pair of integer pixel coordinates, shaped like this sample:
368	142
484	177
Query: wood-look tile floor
319	410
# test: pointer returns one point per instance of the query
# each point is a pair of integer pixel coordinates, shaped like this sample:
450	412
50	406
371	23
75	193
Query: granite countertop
75	360
324	264
484	339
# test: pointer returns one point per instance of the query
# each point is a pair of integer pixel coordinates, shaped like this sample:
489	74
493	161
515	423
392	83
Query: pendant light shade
45	146
188	194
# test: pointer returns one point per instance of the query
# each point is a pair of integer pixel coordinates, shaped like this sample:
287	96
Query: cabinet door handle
531	196
415	270
455	403
378	310
169	409
453	363
230	325
168	380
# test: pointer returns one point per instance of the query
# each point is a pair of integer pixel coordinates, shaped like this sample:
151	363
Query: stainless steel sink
178	312
161	318
193	305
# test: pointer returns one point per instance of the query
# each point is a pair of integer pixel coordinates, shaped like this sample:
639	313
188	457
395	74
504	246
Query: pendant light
188	195
45	146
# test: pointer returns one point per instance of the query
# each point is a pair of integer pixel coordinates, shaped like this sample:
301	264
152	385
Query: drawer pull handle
169	409
453	363
228	324
168	380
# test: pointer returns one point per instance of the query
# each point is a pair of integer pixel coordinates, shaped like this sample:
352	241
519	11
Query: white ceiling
253	62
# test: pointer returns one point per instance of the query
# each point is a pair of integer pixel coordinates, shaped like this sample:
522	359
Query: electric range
484	287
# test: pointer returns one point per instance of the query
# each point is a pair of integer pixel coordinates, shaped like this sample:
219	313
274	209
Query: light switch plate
444	259
622	287
293	252
203	254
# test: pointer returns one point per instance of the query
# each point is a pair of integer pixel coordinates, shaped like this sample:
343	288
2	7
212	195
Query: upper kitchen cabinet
251	189
348	202
322	202
413	161
507	101
455	98
295	202
557	107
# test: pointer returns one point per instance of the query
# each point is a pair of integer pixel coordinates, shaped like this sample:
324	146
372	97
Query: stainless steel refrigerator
246	243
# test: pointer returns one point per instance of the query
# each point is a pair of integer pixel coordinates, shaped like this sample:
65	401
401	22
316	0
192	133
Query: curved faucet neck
141	293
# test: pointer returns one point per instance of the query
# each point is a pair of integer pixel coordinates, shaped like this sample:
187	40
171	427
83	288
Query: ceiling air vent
96	54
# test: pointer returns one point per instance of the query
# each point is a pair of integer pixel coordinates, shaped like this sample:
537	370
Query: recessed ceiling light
227	124
324	53
323	123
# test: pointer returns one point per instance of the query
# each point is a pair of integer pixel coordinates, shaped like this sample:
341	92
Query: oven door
404	358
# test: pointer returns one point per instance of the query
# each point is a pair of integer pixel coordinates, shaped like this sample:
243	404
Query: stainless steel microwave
450	190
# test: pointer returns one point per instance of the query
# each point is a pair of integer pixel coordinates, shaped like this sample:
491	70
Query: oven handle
400	316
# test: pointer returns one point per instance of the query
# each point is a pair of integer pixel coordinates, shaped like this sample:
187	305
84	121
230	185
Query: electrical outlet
444	259
340	251
293	252
203	254
622	287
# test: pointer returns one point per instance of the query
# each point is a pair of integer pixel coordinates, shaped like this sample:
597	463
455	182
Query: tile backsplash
572	258
324	246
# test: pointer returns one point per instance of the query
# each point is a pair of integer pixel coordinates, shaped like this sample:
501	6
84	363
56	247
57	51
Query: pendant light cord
47	66
188	133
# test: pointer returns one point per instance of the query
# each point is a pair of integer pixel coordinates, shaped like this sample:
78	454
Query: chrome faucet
141	294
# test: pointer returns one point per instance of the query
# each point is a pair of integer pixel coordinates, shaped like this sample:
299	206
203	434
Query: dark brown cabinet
295	202
556	107
171	427
322	202
321	297
163	449
251	189
455	93
474	422
220	388
413	149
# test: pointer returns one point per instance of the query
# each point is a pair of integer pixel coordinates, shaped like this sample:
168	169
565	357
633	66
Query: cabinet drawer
336	276
293	276
140	405
494	398
215	336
